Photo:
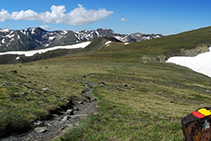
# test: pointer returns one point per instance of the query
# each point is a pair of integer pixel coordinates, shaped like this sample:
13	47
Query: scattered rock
94	99
69	111
7	84
87	100
196	126
78	116
101	83
65	118
14	71
62	128
46	89
126	85
48	124
37	92
84	91
80	102
41	129
208	91
38	123
24	93
75	108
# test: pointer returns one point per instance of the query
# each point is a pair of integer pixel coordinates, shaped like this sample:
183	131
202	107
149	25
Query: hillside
180	44
139	98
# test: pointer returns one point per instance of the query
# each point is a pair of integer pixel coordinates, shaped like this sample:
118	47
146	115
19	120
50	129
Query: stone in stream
196	126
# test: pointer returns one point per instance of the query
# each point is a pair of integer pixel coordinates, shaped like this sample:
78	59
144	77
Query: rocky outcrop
193	52
183	52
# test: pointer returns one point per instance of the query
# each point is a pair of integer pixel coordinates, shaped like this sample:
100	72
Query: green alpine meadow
141	97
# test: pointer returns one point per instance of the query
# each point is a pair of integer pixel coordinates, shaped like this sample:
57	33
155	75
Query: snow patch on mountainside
10	36
5	30
107	43
51	38
33	52
200	63
3	41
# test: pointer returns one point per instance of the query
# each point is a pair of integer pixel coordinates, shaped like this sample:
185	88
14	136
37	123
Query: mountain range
36	38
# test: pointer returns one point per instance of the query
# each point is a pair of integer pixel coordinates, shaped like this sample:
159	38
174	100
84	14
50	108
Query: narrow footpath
61	121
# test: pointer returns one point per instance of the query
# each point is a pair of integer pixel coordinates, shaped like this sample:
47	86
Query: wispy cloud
78	16
124	20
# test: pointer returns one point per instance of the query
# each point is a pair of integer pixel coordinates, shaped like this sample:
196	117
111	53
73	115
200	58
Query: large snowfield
40	51
200	63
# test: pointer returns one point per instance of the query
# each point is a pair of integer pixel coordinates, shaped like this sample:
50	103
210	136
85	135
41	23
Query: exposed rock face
183	52
195	51
196	126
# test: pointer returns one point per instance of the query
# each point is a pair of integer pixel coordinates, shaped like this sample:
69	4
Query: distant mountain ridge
34	38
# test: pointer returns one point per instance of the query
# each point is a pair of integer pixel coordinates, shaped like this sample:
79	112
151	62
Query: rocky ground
61	120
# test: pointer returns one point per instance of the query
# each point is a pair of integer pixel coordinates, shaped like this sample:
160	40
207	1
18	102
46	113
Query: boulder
196	126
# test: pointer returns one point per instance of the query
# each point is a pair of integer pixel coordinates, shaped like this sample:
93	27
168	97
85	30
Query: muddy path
61	120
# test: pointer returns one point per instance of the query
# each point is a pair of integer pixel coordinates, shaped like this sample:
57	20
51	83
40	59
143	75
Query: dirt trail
62	120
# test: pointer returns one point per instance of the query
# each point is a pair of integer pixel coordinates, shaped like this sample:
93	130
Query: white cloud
78	16
45	27
124	20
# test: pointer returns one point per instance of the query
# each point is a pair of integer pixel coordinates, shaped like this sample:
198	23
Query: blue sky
129	16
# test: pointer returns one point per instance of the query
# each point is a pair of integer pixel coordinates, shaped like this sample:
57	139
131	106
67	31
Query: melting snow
33	52
126	43
200	63
107	43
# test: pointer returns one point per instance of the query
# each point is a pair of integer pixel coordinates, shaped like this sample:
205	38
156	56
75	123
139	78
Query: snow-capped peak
40	38
5	30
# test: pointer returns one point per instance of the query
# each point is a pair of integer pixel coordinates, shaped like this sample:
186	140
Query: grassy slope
150	106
